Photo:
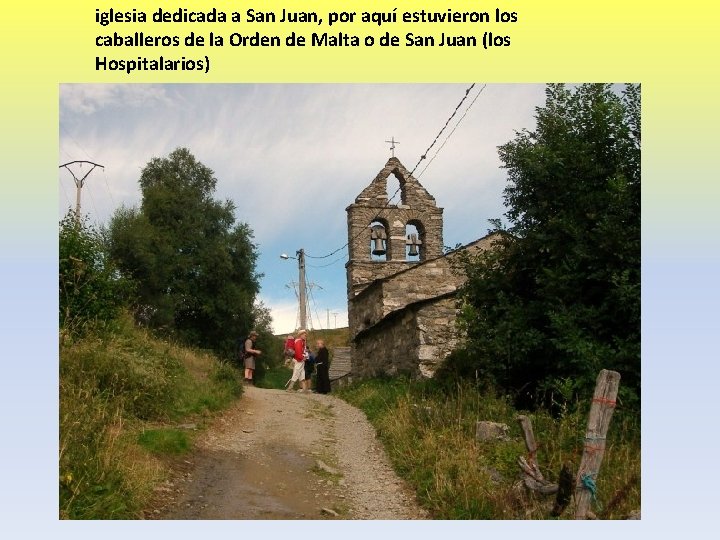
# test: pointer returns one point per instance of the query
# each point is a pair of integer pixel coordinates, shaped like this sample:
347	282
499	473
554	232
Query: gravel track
288	455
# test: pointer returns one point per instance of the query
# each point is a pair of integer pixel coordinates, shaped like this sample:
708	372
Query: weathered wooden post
601	411
532	478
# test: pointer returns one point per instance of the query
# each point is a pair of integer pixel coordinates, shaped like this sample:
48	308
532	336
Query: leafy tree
193	266
91	292
560	297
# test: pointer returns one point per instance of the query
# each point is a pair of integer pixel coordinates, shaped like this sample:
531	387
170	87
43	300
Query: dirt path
289	455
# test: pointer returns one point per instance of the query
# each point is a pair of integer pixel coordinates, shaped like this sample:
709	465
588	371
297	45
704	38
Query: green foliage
375	396
274	377
193	266
115	386
428	430
91	292
559	298
272	349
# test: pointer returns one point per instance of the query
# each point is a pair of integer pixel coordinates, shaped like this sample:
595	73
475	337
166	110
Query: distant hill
337	337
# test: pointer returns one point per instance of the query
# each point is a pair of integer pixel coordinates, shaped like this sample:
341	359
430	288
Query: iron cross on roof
393	142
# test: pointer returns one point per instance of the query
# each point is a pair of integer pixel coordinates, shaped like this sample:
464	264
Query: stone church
401	286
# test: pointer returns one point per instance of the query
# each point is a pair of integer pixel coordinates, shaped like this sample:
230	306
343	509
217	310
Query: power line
443	128
317	315
87	154
112	200
422	157
92	200
328	264
73	139
67	154
66	194
453	131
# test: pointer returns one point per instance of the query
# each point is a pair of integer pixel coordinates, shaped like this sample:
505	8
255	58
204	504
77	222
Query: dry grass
111	388
430	437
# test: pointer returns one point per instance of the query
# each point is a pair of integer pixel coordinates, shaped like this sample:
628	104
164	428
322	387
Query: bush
91	291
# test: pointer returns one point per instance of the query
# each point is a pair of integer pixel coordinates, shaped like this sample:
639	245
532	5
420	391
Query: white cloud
284	316
292	157
89	98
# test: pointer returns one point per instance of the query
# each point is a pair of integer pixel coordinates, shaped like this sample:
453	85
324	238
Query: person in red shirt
299	363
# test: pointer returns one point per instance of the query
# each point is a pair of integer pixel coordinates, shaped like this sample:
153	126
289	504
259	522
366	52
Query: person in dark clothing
322	363
309	369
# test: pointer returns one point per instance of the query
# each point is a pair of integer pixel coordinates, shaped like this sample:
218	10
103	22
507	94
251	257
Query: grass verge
121	393
429	434
274	377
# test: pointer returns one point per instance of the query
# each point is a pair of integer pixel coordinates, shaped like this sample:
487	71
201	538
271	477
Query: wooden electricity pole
302	287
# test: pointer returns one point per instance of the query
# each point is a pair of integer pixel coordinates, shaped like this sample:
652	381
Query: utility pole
79	182
302	286
328	319
303	302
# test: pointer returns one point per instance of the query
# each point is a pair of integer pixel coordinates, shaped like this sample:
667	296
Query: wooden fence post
531	445
601	411
532	477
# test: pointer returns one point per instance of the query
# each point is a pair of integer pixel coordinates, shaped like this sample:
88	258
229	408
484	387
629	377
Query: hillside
140	401
336	337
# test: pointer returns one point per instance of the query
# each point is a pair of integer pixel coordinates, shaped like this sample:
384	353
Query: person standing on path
309	368
322	363
299	361
249	354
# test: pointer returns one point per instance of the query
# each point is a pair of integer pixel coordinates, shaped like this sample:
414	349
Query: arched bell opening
394	190
379	241
414	241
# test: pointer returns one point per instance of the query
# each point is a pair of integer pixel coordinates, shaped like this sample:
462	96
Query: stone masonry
417	207
401	312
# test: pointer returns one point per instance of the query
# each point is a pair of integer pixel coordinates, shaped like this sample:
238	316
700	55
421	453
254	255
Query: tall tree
193	266
560	297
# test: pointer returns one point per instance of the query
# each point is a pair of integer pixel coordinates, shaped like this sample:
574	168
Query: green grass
375	396
274	377
429	434
166	441
121	393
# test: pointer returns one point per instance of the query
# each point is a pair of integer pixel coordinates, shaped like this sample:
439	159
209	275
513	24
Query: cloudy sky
293	157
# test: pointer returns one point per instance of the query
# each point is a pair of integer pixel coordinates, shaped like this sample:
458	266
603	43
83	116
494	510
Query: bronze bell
413	242
378	247
378	235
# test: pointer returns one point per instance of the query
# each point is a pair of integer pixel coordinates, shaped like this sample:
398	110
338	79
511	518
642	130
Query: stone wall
416	283
405	322
401	311
417	207
438	334
390	349
413	341
384	296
